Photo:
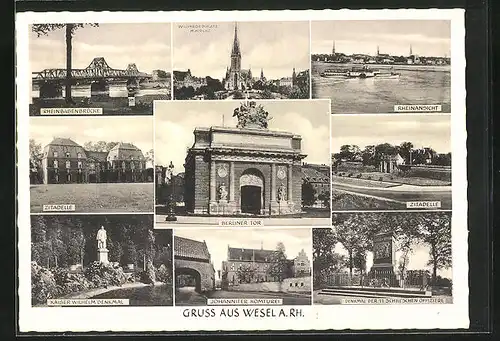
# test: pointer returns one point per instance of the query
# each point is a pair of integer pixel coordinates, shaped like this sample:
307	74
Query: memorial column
290	182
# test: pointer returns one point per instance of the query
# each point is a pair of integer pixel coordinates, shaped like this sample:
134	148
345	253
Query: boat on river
359	72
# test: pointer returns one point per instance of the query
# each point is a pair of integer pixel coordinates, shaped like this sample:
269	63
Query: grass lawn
361	182
102	197
347	201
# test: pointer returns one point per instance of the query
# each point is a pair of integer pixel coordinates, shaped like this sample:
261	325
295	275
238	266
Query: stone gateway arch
245	170
192	258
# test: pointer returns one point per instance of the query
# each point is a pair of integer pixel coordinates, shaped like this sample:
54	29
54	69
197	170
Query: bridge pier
99	90
50	90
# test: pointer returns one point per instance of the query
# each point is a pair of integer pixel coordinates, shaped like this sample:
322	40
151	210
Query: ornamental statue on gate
251	115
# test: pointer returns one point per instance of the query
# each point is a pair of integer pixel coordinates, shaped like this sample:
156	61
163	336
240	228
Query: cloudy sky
427	37
276	47
175	122
137	130
417	259
146	45
432	131
218	240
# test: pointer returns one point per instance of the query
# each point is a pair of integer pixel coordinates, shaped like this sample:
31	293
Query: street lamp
171	203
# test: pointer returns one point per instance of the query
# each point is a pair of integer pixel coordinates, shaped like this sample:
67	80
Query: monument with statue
102	251
248	169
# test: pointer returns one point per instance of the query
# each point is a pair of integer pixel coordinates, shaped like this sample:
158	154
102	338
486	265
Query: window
302	284
56	164
140	165
68	154
56	154
79	155
68	164
123	164
291	284
132	165
79	164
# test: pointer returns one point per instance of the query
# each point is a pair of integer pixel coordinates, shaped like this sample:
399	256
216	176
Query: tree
437	234
308	194
355	232
405	149
245	273
35	150
44	29
349	152
99	146
325	259
150	156
278	262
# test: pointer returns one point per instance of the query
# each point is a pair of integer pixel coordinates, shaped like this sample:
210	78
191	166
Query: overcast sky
146	45
432	131
276	47
427	37
218	240
175	122
137	130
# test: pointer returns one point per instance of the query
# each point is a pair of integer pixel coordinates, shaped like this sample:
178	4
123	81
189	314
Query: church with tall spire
237	78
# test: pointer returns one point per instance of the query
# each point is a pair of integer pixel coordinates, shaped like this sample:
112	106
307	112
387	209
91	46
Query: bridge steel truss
97	70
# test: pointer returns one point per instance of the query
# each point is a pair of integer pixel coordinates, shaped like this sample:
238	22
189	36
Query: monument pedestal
102	256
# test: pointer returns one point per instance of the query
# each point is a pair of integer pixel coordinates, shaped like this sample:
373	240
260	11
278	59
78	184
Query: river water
114	91
416	85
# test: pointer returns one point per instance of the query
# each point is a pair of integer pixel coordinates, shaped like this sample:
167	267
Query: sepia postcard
241	171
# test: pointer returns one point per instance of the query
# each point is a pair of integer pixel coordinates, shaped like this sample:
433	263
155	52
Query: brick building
260	261
185	79
317	176
193	265
65	161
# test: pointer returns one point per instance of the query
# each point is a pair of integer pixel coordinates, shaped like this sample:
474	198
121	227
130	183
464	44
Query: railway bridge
99	75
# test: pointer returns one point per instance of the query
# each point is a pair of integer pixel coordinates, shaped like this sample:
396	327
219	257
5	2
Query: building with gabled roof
192	258
65	161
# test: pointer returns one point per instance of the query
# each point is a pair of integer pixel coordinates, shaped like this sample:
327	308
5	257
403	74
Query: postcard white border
54	319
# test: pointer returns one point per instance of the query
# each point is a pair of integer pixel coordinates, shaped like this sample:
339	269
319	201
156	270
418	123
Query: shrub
43	284
369	177
149	275
104	275
68	282
358	176
380	179
350	174
163	275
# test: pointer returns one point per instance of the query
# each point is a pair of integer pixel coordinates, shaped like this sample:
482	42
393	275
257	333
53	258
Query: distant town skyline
427	38
218	241
205	48
432	131
146	45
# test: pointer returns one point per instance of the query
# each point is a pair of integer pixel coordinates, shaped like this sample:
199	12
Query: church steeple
236	42
261	73
378	50
235	54
411	51
333	48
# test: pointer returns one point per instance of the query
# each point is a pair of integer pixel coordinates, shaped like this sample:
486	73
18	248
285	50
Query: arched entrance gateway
252	191
248	169
193	266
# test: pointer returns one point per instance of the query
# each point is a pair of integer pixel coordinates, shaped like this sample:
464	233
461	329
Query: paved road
402	194
188	297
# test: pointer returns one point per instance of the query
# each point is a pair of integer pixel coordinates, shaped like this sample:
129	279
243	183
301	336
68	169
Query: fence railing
381	278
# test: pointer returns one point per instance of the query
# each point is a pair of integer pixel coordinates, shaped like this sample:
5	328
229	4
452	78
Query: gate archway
252	191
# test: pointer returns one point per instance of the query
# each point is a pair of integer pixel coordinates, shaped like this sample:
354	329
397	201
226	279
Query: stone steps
374	292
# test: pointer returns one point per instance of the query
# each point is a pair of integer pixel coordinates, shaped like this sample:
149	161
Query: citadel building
65	161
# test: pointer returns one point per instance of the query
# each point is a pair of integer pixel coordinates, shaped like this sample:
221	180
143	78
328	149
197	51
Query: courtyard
100	197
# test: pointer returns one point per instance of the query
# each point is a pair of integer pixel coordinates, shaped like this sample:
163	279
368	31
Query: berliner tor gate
248	169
